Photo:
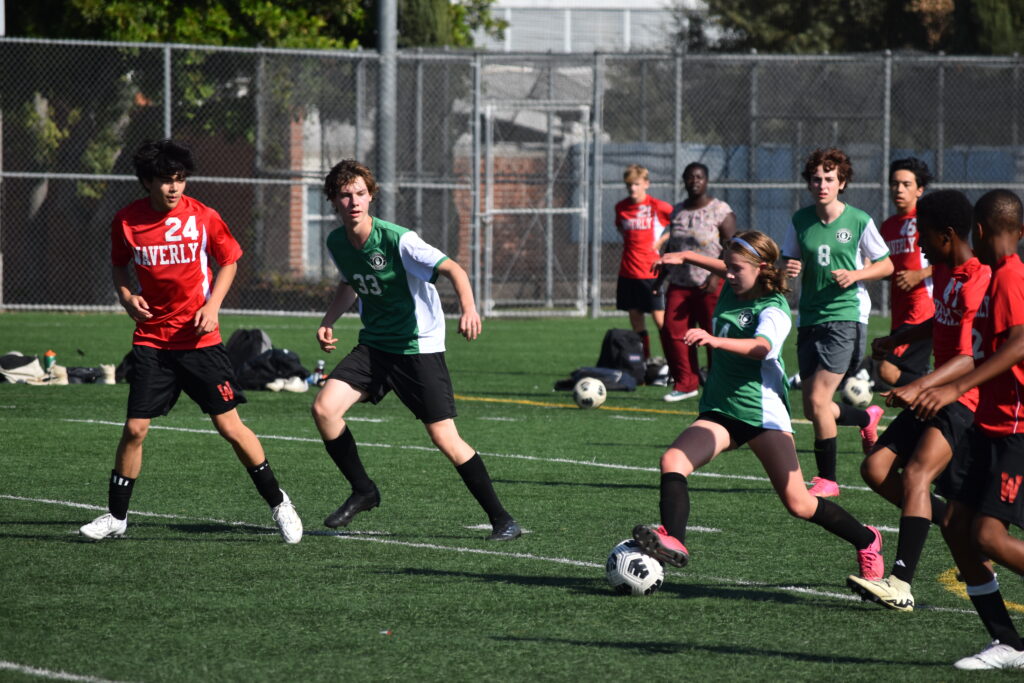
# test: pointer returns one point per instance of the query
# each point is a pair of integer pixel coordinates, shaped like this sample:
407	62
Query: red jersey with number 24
1001	400
958	296
171	252
641	224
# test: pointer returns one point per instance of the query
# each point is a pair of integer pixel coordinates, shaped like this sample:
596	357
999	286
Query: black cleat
356	503
506	531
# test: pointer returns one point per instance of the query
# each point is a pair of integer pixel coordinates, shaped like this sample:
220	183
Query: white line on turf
375	538
49	673
634	419
514	456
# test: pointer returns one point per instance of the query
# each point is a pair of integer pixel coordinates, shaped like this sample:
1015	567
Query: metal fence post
167	91
475	178
597	231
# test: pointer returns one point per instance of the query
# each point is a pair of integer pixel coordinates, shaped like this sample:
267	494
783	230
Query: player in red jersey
177	346
994	466
640	219
910	284
922	450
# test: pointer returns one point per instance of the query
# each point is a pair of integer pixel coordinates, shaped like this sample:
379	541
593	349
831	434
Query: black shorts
633	294
420	380
835	346
967	474
901	436
740	432
1004	496
158	376
912	358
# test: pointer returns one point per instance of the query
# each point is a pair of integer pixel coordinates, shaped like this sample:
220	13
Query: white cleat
104	526
288	520
995	656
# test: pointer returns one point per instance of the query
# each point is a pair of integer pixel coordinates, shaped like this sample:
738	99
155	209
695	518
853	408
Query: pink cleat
872	566
661	545
869	434
824	488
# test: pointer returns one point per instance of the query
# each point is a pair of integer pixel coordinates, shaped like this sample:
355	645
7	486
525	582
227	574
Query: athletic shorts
1004	495
901	436
911	358
632	294
835	346
420	380
967	474
741	432
158	376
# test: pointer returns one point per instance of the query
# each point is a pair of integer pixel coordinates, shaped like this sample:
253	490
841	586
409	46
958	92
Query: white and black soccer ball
589	392
630	571
856	392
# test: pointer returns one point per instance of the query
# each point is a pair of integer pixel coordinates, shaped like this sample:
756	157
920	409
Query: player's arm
344	297
678	258
135	304
931	401
950	371
469	323
906	280
208	315
879	269
757	348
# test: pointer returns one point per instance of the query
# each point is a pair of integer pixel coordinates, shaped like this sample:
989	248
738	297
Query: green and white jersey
394	275
847	243
746	389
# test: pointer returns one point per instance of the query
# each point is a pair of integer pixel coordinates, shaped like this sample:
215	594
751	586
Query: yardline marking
49	673
349	536
948	580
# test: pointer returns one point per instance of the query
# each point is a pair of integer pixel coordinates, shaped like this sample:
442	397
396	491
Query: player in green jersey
745	402
392	271
836	248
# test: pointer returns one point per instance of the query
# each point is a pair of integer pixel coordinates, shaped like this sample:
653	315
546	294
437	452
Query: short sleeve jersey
1001	399
695	230
641	224
958	296
172	251
393	275
752	391
847	243
900	235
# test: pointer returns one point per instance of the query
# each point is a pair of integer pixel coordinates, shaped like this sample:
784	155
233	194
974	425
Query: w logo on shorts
1010	486
227	393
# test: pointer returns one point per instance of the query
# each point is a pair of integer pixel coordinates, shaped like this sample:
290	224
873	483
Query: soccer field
202	588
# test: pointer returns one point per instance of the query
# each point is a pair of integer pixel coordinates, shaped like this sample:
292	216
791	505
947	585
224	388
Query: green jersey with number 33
394	275
848	243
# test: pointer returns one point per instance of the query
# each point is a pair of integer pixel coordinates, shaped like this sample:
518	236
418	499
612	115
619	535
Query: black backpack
244	346
623	350
268	366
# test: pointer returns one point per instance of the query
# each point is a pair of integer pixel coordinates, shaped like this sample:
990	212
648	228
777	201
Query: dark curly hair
828	159
344	173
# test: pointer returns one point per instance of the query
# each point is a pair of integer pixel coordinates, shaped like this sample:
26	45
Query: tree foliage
840	26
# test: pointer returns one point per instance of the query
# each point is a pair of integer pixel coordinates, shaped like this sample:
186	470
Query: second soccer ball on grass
589	393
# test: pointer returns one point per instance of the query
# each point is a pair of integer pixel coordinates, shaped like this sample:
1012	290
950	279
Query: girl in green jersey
747	405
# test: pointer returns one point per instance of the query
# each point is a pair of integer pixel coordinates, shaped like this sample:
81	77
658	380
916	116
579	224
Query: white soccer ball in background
589	393
630	571
856	392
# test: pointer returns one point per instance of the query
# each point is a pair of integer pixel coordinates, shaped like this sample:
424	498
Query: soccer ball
589	393
630	571
857	392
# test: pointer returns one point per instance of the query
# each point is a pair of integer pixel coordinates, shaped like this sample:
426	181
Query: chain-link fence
509	163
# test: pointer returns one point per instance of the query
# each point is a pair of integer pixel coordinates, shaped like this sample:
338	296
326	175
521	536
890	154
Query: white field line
49	673
514	456
376	537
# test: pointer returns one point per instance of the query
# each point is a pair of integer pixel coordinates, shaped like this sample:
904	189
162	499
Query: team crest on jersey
745	318
843	236
377	261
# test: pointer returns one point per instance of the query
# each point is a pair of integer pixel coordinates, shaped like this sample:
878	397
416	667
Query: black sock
474	476
675	504
119	493
913	534
838	521
992	610
825	458
852	417
266	483
345	454
938	509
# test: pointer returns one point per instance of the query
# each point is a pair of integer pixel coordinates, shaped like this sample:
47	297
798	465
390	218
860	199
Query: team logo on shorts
745	318
843	236
377	261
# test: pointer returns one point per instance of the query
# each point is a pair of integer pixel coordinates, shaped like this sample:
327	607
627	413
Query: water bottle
317	378
49	359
